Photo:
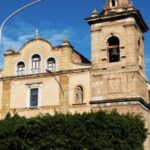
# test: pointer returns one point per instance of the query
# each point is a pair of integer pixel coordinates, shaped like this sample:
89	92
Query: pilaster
6	97
64	95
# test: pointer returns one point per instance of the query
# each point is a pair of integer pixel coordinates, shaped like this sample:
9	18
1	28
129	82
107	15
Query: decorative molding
96	30
80	104
130	25
123	101
33	83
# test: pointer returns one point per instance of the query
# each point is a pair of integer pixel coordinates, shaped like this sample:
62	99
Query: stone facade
41	78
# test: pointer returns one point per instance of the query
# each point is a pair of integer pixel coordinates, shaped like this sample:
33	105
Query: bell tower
117	45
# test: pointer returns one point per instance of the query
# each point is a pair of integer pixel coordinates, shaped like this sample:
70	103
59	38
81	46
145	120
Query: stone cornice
122	101
89	69
117	16
44	74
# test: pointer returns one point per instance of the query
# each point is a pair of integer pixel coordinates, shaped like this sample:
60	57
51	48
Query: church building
41	78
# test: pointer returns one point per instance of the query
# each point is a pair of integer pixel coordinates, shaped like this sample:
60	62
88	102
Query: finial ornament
131	2
10	50
36	34
66	39
94	13
66	42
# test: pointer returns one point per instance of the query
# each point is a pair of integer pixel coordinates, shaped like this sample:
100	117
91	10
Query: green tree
87	131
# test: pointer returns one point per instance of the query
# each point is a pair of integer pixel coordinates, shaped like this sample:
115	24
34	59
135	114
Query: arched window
113	2
51	64
113	49
36	59
20	68
79	94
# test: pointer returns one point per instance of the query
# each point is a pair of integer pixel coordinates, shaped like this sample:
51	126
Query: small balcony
51	68
20	72
36	71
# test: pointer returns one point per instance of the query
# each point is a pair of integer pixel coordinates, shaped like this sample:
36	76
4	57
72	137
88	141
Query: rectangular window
34	93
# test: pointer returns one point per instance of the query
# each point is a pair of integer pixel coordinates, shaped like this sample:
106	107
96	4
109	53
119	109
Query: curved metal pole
48	71
11	15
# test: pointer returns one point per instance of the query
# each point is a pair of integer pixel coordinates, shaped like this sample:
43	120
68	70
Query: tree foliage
88	131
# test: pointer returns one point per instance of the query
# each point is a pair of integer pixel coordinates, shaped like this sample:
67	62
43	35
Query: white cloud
9	42
56	37
15	37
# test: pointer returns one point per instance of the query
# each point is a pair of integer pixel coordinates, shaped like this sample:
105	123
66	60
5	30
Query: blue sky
57	19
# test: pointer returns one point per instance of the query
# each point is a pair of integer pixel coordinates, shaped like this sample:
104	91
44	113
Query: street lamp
13	14
53	75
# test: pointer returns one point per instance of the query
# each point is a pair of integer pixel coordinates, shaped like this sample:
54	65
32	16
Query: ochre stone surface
106	85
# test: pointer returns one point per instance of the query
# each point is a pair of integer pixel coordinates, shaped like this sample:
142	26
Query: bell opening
113	2
114	55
